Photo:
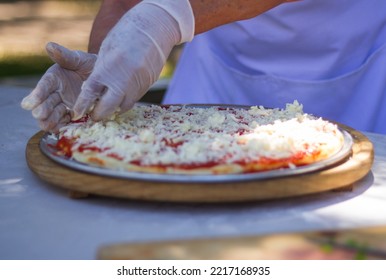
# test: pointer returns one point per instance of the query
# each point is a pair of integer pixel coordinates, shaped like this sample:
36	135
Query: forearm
208	14
109	14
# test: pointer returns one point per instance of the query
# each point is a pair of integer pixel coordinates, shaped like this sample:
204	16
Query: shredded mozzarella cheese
190	135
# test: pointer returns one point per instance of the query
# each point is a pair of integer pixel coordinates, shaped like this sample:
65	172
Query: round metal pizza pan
48	142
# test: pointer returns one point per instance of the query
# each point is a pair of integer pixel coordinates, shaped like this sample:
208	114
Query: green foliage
24	65
11	1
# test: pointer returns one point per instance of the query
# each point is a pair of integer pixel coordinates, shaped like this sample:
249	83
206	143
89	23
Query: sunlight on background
27	26
12	187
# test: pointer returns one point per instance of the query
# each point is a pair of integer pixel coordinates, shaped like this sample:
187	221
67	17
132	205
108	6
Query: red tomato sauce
65	145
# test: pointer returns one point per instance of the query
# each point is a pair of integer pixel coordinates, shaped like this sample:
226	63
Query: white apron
329	55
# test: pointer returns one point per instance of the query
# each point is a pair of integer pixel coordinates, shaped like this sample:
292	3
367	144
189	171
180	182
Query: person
268	53
133	39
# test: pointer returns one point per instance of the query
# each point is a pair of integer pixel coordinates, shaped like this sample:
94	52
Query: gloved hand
133	54
56	92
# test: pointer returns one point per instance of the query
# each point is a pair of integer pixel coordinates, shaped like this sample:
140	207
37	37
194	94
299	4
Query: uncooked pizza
178	139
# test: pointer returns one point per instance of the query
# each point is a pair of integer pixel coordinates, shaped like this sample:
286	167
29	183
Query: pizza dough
178	139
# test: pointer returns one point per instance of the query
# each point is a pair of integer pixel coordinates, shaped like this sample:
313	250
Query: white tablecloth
39	221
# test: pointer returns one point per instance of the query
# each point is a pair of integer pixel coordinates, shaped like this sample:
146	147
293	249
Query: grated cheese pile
191	135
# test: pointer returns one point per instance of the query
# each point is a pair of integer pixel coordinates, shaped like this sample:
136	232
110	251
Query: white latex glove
56	92
133	54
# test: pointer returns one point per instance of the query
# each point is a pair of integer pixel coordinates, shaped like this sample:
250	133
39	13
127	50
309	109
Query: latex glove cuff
182	12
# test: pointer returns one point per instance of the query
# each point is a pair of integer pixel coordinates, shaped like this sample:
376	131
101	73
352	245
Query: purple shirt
329	55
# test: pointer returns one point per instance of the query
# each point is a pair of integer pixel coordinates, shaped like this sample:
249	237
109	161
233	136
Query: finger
45	109
90	93
55	118
107	105
44	88
128	102
79	61
65	120
66	58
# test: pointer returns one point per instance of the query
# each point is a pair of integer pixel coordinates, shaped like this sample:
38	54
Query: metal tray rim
47	143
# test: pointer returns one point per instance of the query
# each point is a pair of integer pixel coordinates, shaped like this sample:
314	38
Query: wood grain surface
367	243
80	183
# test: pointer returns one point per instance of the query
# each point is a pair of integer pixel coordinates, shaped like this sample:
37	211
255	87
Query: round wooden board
344	174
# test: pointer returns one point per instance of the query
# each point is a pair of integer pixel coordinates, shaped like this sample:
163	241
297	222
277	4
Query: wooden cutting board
83	184
366	243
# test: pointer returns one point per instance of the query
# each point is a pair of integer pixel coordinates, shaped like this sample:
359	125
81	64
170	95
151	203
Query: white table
39	221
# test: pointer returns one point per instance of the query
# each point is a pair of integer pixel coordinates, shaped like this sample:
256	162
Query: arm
134	50
108	15
120	78
208	14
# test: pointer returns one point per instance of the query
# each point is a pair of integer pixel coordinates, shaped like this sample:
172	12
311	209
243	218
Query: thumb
91	91
66	58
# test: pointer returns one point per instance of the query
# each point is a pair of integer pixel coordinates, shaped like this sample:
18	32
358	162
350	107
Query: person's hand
56	92
132	56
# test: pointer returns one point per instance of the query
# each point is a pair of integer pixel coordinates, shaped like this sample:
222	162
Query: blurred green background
27	26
